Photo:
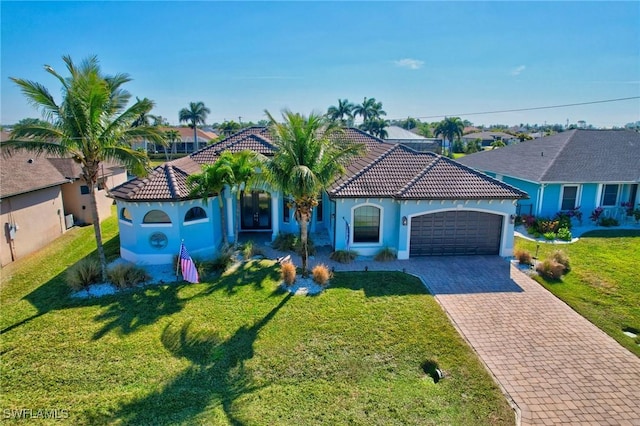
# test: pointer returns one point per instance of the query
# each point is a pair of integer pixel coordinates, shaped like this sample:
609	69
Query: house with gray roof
40	198
418	203
583	169
487	138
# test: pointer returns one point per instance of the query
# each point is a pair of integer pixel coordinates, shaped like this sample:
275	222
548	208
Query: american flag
189	271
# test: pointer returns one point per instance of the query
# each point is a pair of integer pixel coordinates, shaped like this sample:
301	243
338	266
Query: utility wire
529	109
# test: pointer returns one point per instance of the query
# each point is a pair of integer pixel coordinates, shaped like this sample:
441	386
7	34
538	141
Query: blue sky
420	59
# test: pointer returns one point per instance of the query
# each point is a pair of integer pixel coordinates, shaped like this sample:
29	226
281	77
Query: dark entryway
255	210
455	233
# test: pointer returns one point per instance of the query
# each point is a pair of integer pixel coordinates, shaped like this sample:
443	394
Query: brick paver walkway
552	364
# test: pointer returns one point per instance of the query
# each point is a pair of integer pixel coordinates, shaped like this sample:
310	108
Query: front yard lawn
603	284
235	350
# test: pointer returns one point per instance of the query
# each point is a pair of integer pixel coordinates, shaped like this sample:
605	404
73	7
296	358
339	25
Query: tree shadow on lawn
217	375
253	273
379	283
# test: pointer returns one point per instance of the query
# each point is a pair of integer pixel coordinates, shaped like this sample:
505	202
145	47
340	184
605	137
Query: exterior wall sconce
404	221
512	219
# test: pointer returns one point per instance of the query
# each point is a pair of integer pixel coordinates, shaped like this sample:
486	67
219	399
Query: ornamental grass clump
386	254
288	273
321	274
561	257
344	256
523	256
127	275
84	273
549	269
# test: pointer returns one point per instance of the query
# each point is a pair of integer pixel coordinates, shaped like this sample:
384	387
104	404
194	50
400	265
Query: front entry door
256	210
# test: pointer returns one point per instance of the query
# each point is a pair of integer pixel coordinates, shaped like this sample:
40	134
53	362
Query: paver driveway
555	365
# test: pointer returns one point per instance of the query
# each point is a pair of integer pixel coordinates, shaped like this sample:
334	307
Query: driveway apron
553	364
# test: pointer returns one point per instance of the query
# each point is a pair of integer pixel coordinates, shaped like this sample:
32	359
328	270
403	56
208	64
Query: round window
158	240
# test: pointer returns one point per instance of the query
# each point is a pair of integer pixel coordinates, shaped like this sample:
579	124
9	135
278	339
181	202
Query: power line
529	109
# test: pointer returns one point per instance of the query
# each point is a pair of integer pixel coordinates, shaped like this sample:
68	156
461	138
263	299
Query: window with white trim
156	216
610	195
366	224
569	197
195	213
125	215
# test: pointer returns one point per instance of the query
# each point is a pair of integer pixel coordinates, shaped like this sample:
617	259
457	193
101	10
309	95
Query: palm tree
376	127
310	154
172	137
213	180
449	128
230	127
91	125
244	166
194	115
367	109
338	113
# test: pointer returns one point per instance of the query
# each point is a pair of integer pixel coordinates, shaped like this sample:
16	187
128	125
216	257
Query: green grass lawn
603	284
235	350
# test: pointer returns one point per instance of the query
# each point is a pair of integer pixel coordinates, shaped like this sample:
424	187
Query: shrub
523	256
564	219
288	273
343	256
218	264
608	221
532	230
290	242
547	225
385	254
561	257
127	275
564	234
284	242
549	236
250	249
595	215
321	274
84	273
550	269
528	220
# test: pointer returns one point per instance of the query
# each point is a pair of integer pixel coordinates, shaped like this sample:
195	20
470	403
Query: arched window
156	216
125	215
195	213
366	224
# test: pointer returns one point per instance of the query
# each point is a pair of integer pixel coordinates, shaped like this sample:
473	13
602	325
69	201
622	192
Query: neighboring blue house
418	203
577	168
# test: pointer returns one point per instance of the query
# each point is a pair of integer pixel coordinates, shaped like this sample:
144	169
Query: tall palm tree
369	109
244	166
342	113
213	180
376	127
450	128
172	137
310	154
91	125
194	115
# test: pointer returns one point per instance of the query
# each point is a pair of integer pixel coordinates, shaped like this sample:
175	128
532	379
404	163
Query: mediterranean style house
583	169
418	203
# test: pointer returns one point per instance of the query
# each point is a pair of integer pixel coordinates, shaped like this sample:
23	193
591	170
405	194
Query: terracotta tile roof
384	170
402	173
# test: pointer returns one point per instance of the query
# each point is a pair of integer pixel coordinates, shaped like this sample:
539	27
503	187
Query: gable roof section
26	172
576	156
384	170
404	174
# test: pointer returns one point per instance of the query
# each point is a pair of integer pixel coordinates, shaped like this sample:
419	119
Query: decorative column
275	214
229	212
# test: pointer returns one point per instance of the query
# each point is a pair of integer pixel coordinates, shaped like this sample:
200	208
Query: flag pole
178	260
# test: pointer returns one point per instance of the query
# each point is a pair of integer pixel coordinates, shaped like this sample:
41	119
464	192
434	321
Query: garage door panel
455	233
